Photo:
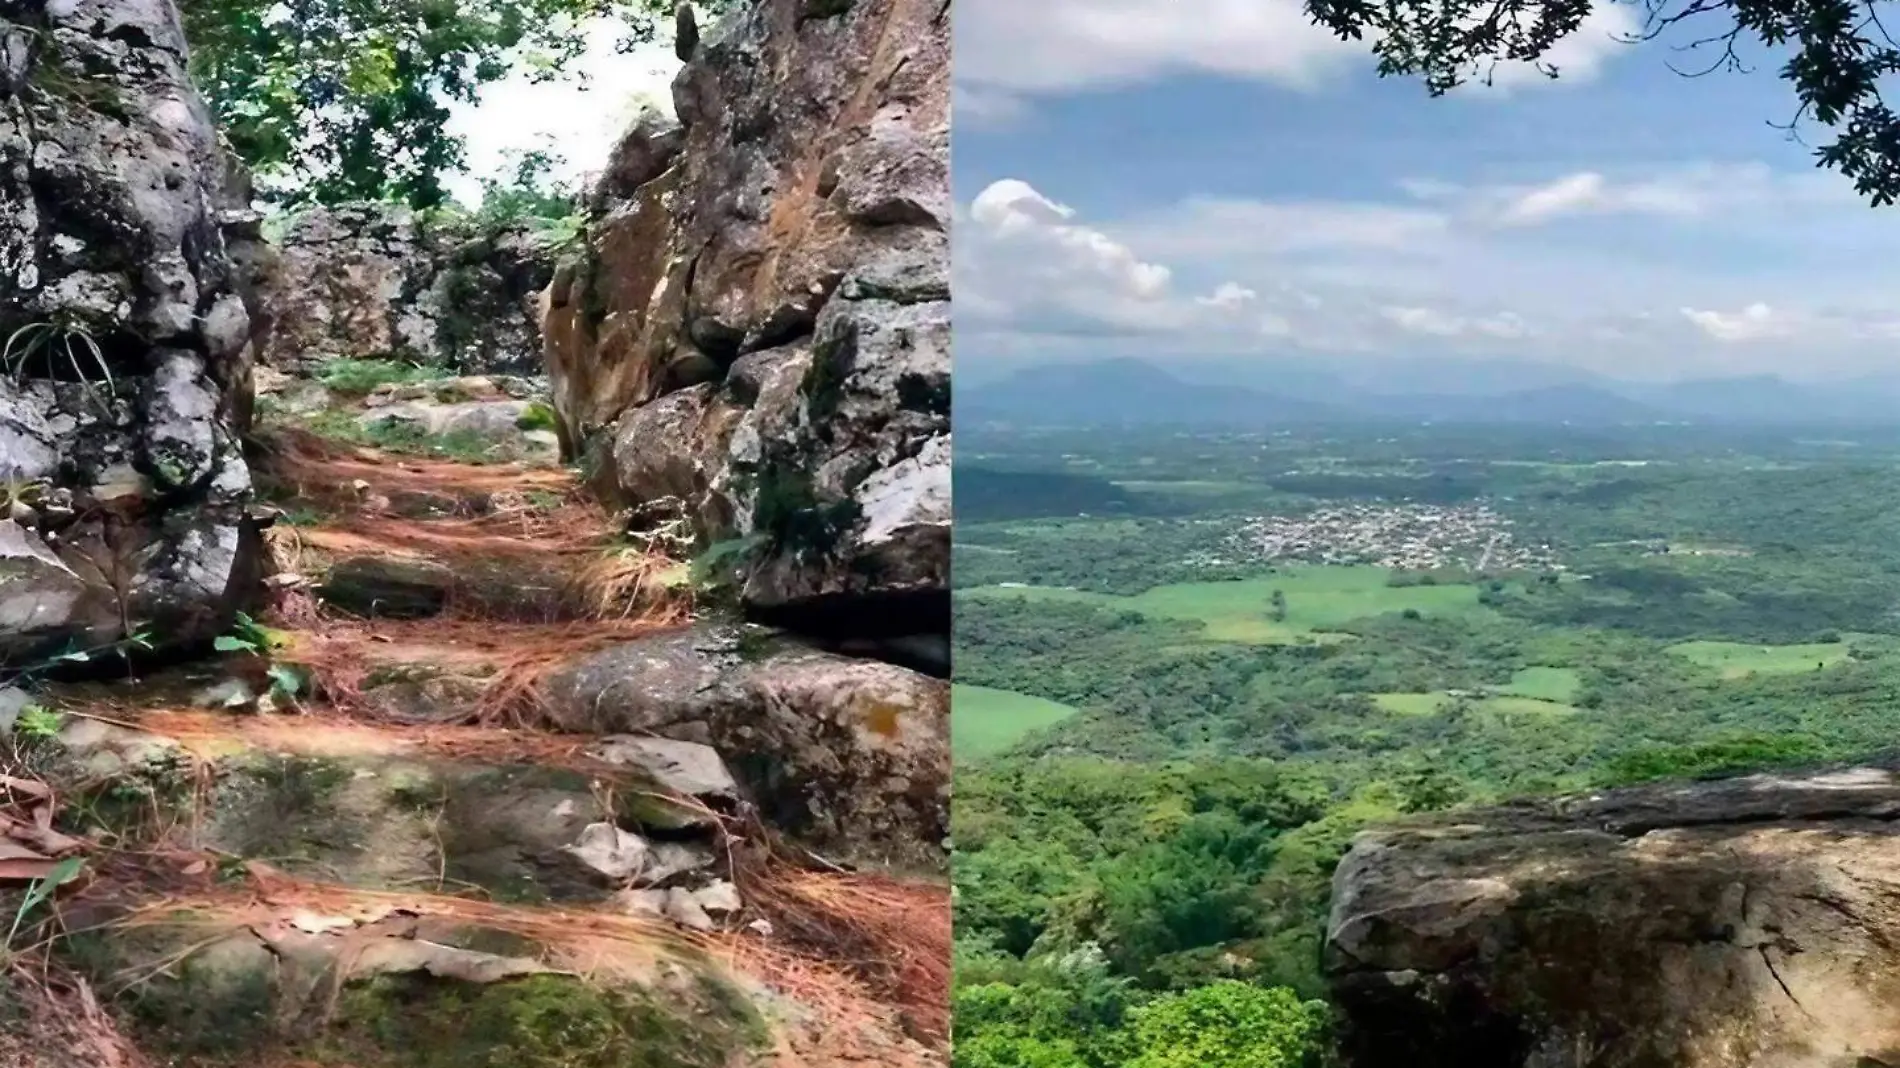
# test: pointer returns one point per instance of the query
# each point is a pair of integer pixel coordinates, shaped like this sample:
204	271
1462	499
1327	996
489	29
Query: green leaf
288	680
225	643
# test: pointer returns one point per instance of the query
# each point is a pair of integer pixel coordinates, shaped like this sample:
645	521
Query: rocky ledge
1748	922
755	335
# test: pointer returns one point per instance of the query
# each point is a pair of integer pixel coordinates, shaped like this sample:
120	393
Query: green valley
1191	667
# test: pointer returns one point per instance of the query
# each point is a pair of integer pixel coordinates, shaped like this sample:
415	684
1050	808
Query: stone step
848	756
308	475
512	815
393	569
280	972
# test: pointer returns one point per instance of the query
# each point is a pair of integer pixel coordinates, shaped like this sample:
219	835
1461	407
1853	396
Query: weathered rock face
851	756
1710	925
125	368
759	329
371	281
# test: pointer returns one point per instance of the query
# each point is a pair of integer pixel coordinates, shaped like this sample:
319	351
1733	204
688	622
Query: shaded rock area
756	336
124	375
1748	922
373	281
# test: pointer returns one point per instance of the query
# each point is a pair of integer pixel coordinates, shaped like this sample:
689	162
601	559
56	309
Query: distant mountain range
1130	392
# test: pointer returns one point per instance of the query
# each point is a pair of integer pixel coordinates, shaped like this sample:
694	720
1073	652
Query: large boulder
850	756
758	326
372	281
1741	924
125	369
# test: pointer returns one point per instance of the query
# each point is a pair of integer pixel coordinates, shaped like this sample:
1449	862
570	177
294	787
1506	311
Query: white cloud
1680	192
1435	323
1009	47
1069	45
1434	270
1203	226
1755	322
1011	210
1561	197
1229	296
1026	263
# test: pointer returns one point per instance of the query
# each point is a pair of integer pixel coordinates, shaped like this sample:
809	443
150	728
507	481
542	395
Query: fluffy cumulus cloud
1027	263
1008	50
1625	272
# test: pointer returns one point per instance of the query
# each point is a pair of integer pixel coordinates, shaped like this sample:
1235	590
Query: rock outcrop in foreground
1750	923
757	335
124	357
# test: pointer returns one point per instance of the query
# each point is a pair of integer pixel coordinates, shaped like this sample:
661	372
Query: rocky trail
359	704
421	794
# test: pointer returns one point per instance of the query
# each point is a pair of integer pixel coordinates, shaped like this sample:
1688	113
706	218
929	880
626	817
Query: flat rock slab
1750	923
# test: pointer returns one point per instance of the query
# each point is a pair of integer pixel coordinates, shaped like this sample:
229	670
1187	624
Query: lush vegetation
337	100
1719	604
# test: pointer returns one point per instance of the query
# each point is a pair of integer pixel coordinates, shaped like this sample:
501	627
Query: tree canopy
335	100
1833	53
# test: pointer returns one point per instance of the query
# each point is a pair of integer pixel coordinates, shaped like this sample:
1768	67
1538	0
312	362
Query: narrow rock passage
377	823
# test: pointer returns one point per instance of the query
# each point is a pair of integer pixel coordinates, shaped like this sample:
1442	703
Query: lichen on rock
122	386
759	324
1729	924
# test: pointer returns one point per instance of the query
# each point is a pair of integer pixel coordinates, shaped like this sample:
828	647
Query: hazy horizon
983	369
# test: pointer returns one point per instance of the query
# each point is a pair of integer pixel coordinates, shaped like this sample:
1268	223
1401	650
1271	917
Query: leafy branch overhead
337	100
1834	53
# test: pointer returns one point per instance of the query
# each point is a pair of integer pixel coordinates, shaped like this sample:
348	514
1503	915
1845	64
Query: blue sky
1186	178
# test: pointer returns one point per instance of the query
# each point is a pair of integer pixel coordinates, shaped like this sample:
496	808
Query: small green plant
723	560
38	723
39	891
247	636
537	416
559	234
138	638
52	339
253	638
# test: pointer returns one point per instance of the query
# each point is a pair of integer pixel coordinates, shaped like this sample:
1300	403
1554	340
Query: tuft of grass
359	377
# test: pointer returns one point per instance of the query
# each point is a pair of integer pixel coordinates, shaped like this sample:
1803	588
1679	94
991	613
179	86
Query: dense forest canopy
337	100
1227	687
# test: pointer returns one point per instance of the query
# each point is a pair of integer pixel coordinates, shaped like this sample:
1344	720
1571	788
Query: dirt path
292	852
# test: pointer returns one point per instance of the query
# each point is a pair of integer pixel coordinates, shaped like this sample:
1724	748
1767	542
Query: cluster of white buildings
1413	537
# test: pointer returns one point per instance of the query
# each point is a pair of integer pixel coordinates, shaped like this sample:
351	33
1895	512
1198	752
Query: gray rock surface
123	386
371	281
760	327
1750	922
850	756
